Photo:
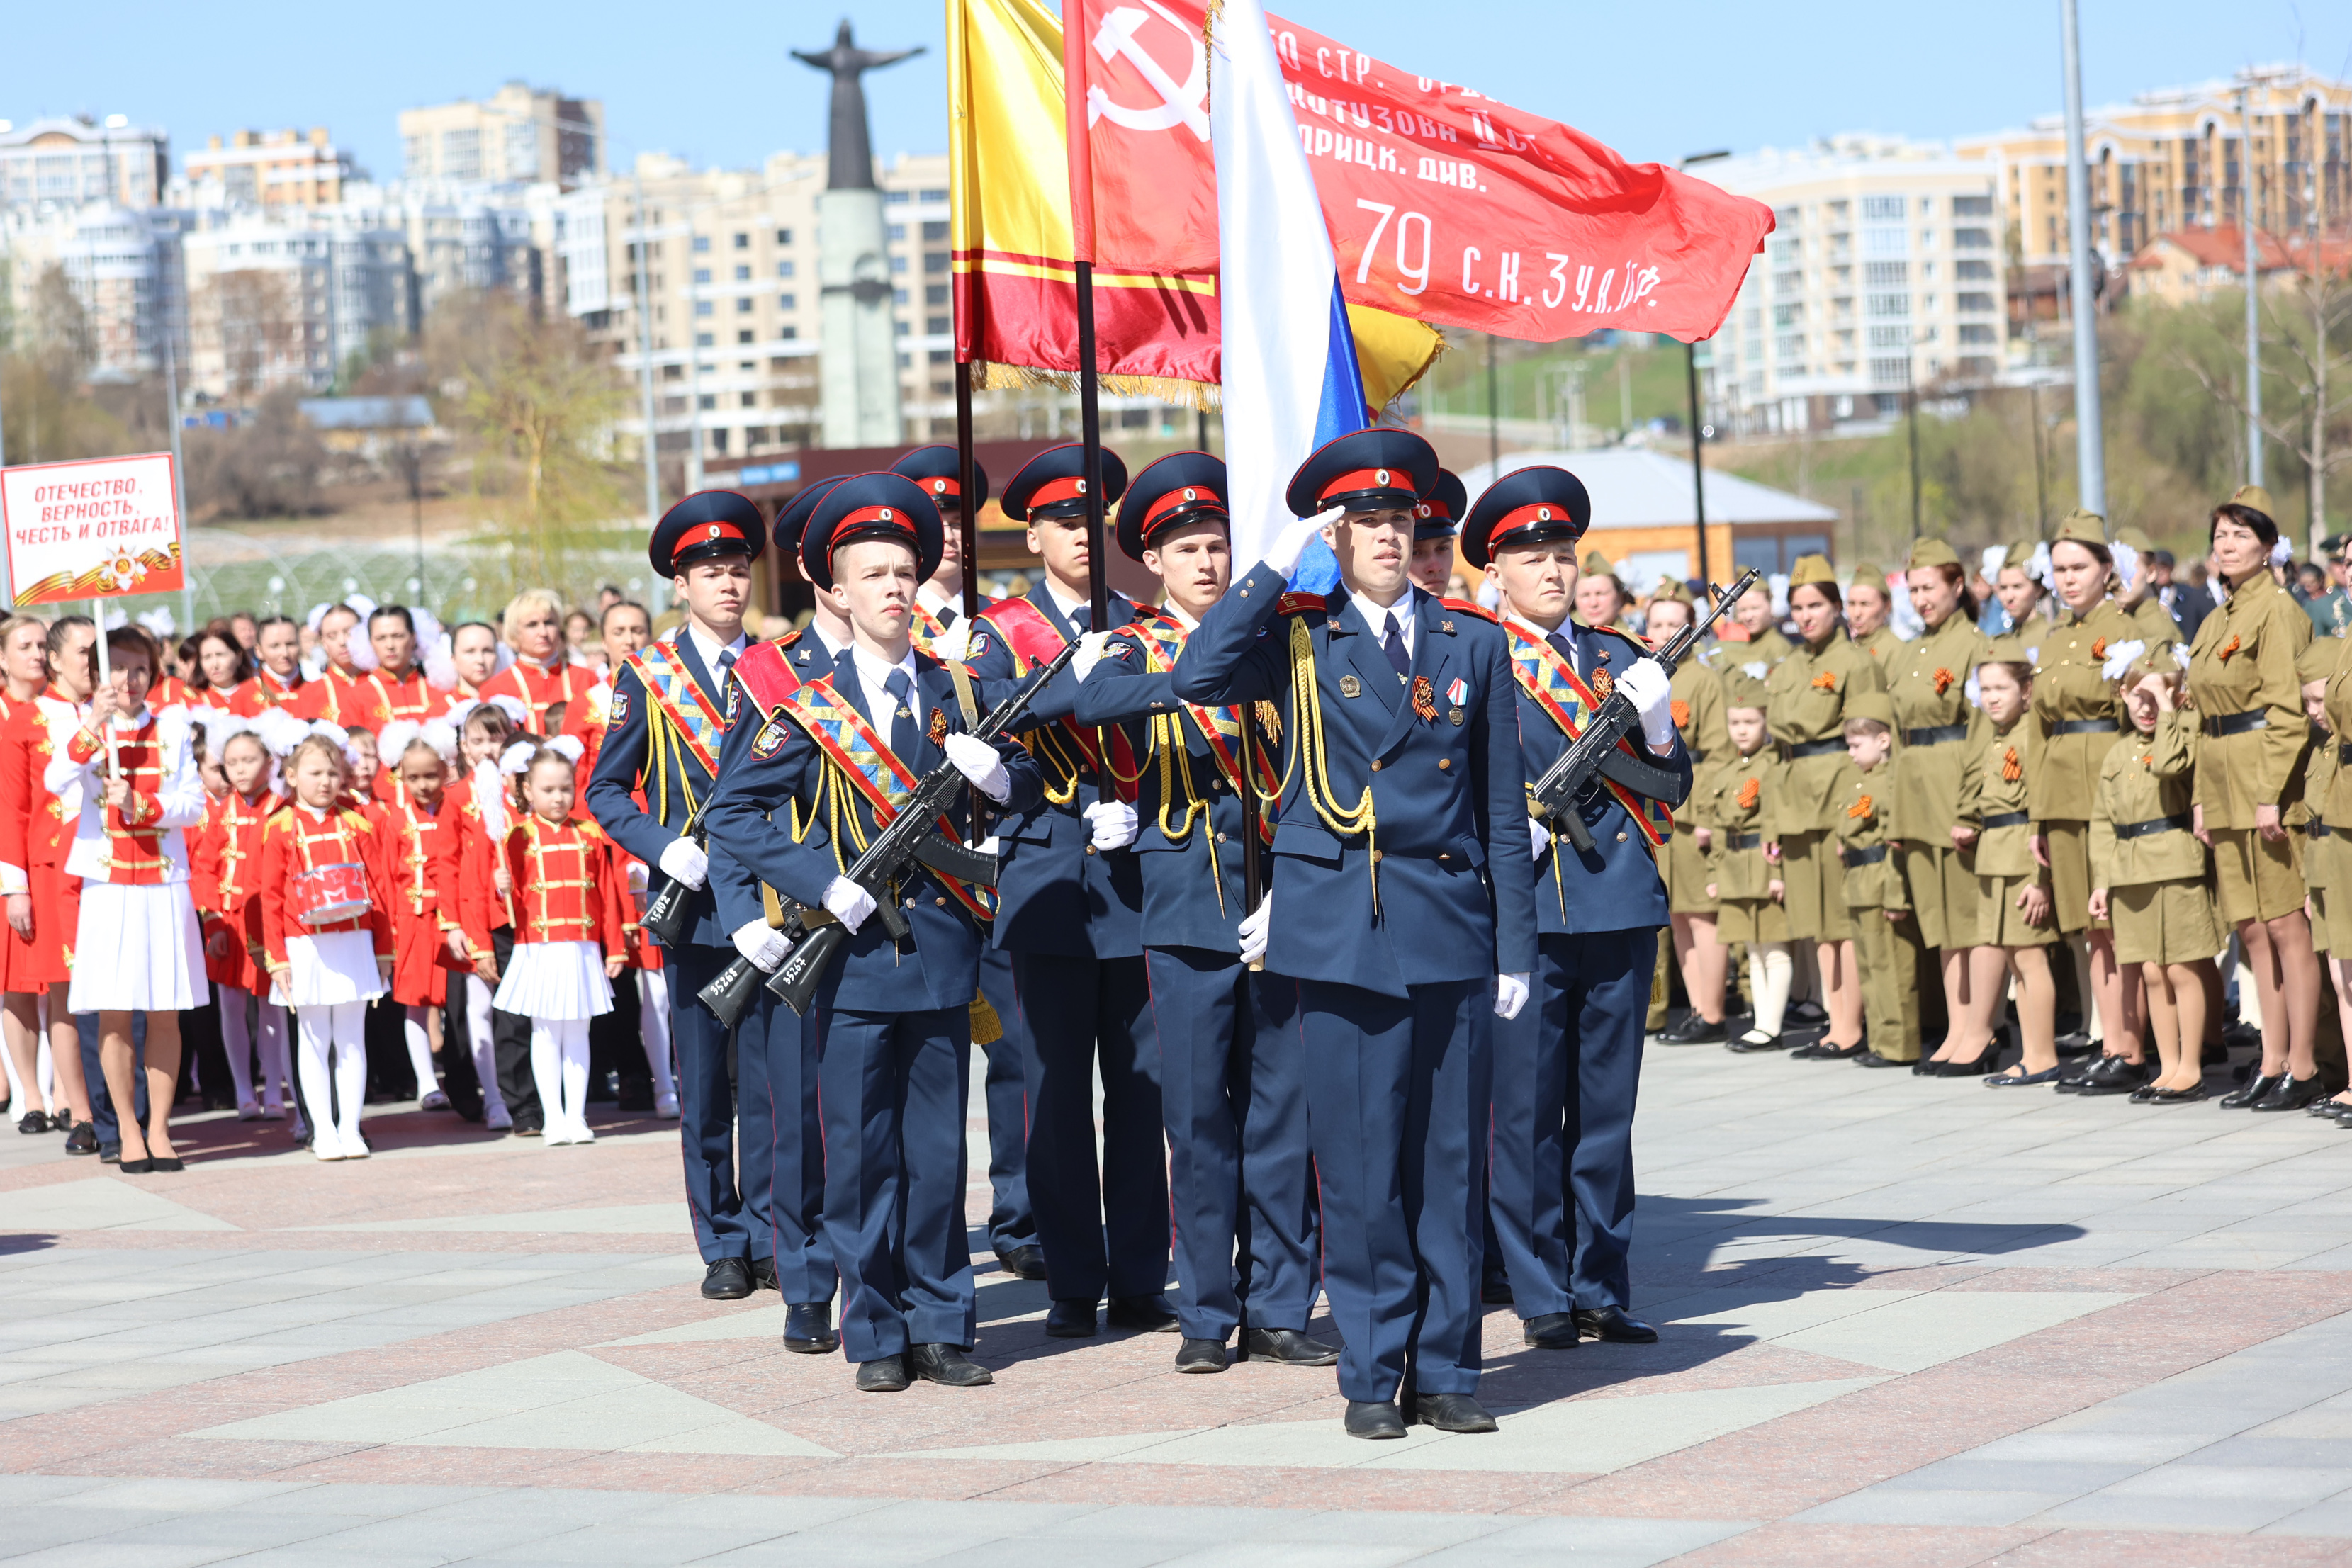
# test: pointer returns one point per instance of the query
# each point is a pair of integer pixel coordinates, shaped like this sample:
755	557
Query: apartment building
2177	159
64	162
1883	274
123	266
274	302
520	135
271	169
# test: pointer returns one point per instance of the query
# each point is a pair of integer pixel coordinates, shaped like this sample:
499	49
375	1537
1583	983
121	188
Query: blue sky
714	84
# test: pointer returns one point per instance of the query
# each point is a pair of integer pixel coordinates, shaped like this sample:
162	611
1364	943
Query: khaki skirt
1944	894
1750	920
1687	874
1816	883
2070	876
2000	923
2254	878
2165	923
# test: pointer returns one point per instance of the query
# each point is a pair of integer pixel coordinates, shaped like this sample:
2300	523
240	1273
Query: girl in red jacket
571	934
410	813
325	926
227	876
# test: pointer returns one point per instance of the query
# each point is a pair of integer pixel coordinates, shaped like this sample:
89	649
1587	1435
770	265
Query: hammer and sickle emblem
1183	105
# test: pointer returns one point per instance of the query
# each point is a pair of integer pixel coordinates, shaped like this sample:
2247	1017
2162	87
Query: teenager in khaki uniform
1867	608
2024	593
2148	870
1885	939
2137	592
1742	856
2015	931
2327	788
1601	596
1927	681
1698	696
2076	719
1808	691
2315	842
1764	644
2242	680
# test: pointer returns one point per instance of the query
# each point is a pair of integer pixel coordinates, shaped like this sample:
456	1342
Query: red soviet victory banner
1443	203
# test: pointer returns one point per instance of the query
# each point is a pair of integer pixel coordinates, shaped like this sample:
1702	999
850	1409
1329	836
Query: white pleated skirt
138	949
555	981
331	968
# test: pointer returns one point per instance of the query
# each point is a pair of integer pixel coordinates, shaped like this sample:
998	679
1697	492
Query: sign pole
179	483
105	678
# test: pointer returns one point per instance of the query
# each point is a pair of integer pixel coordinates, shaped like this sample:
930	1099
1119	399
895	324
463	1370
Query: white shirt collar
874	674
933	598
1072	610
1406	610
710	647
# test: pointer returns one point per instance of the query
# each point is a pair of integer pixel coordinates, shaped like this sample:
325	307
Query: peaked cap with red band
1052	483
941	474
883	505
705	525
1366	471
1181	487
1439	516
794	517
1526	506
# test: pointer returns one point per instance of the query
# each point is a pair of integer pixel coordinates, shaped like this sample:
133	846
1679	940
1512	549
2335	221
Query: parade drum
329	894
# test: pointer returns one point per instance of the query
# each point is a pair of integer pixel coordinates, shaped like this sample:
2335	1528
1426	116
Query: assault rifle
664	918
1558	794
913	837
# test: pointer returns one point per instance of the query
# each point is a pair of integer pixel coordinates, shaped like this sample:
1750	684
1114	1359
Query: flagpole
1090	432
967	479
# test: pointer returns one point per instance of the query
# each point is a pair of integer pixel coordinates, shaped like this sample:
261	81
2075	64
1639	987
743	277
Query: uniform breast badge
1456	694
1349	687
767	742
1425	699
938	726
1604	683
620	712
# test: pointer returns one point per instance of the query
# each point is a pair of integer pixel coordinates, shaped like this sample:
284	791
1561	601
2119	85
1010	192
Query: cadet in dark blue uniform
1070	913
1403	904
814	772
1230	1087
671	705
940	631
1563	1162
1435	522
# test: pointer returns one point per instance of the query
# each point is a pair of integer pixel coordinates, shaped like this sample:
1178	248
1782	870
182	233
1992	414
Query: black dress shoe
2177	1096
2114	1075
166	1165
763	1275
1826	1051
1805	1014
888	1375
134	1167
2290	1093
1755	1042
1288	1347
1552	1330
2255	1088
1694	1030
1201	1355
1948	1069
1142	1315
1812	1051
946	1366
808	1329
1612	1324
83	1139
1452	1413
1070	1320
1023	1262
1495	1291
1872	1058
33	1122
729	1279
1373	1418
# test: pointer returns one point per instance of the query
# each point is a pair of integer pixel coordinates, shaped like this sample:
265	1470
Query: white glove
1510	996
1540	835
1254	927
683	860
1090	652
1650	691
1282	552
1114	824
952	643
763	944
977	761
850	904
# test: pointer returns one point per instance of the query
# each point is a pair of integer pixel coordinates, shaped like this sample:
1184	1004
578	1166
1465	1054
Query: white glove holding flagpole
1254	930
1510	996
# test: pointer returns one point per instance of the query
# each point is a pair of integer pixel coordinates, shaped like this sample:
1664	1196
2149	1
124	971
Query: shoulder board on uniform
1471	607
281	819
1299	603
1624	636
788	639
764	676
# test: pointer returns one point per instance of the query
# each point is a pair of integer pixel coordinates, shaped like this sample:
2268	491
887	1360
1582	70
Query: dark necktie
901	687
1393	644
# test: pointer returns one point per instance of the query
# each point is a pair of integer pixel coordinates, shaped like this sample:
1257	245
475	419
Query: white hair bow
2120	656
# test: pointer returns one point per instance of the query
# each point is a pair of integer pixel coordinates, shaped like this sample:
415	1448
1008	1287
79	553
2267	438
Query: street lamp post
2253	285
2090	444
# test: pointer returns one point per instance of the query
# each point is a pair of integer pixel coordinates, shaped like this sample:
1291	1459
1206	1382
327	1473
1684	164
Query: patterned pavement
1904	1322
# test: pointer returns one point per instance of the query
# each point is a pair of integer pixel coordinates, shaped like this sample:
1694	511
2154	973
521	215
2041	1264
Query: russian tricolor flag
1291	380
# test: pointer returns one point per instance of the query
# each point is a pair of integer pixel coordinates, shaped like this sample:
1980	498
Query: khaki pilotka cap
1875	705
2006	651
2079	527
1932	553
1673	588
2317	661
1870	573
1742	689
2137	538
2020	556
1597	565
2256	497
1811	569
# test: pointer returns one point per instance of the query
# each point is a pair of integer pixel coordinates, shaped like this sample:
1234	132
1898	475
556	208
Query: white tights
559	1065
419	1036
1770	969
237	1040
343	1029
485	1048
652	1027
